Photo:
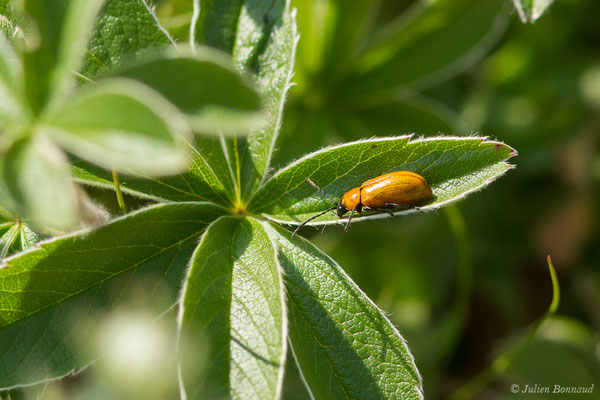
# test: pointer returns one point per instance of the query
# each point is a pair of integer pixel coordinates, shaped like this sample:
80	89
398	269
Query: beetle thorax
350	200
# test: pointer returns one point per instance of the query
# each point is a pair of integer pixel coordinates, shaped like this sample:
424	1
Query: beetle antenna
311	218
321	190
350	217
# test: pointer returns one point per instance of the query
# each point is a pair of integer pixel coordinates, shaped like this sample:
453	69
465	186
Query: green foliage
49	291
123	30
339	338
214	98
235	270
453	167
408	54
37	176
266	48
212	250
127	126
120	124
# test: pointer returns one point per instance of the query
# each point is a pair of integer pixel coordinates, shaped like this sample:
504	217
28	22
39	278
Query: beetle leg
394	205
358	208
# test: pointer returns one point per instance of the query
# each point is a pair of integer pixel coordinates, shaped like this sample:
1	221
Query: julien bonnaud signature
562	389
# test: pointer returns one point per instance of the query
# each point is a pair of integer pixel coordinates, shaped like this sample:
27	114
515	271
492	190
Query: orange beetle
388	191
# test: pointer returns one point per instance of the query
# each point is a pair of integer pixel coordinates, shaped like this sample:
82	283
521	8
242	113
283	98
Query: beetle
382	193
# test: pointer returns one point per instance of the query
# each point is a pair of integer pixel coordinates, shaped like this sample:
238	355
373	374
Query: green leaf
13	106
199	183
531	10
57	48
15	237
37	177
262	37
122	124
48	292
434	41
274	69
233	303
215	22
344	345
452	166
125	29
213	150
214	97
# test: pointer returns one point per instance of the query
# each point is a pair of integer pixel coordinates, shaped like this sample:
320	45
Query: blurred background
463	284
466	283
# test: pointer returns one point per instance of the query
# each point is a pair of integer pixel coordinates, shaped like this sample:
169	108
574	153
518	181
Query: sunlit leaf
343	344
233	305
47	292
452	166
122	124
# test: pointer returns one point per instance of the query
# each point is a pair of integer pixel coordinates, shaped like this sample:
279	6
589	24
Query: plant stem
503	361
115	176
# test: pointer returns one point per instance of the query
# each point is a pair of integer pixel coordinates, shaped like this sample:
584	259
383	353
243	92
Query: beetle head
341	209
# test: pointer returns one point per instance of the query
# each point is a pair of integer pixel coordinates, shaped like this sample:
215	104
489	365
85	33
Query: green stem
502	362
115	176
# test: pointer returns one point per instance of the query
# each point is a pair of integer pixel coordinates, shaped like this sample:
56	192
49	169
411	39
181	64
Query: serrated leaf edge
272	231
483	139
284	311
82	232
283	297
288	85
384	215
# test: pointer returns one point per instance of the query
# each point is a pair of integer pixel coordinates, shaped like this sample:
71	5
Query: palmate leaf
223	167
233	308
47	291
262	37
343	344
452	166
